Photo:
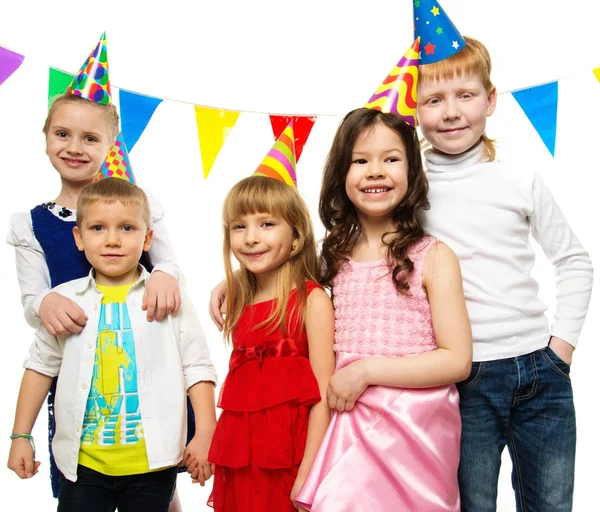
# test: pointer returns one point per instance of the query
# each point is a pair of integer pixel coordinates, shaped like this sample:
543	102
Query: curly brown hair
339	215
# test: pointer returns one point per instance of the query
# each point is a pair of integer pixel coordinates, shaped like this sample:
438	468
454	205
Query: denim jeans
95	492
524	402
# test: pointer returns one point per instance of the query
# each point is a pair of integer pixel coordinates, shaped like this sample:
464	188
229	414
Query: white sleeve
572	265
161	253
32	269
45	354
195	356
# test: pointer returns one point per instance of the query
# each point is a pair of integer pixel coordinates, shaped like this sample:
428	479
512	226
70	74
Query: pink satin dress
397	449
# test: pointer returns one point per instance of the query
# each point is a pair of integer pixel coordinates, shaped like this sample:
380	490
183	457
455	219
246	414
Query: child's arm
33	391
319	331
162	295
572	268
200	379
42	364
57	313
216	307
202	397
449	363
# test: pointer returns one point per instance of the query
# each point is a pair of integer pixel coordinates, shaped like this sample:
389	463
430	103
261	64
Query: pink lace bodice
372	318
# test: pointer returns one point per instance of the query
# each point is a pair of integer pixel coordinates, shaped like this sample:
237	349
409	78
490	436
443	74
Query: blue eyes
127	228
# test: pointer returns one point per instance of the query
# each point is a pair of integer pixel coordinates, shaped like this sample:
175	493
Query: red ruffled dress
259	441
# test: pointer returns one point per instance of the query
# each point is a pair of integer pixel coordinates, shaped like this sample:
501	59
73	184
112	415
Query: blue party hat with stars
440	39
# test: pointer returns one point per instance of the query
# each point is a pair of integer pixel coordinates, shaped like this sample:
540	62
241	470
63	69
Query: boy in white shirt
122	381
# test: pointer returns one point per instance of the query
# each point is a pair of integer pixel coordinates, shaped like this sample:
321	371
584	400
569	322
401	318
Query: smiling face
377	179
113	236
261	243
78	140
453	113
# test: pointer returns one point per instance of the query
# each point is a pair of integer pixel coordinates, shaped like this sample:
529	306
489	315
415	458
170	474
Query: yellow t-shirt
113	441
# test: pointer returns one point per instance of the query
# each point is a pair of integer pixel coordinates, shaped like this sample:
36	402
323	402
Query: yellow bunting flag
214	126
597	73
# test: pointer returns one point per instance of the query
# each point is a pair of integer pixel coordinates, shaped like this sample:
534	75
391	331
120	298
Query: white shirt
485	211
171	355
32	270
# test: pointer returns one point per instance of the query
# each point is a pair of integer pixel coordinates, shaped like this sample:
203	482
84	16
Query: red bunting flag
302	127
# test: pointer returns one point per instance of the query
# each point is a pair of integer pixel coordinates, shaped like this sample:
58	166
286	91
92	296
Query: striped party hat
117	164
91	82
280	162
398	92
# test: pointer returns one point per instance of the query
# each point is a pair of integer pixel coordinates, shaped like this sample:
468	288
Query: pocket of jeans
473	379
556	363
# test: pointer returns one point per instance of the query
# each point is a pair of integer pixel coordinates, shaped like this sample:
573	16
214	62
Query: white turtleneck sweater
485	211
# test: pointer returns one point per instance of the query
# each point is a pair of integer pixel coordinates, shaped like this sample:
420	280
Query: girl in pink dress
402	333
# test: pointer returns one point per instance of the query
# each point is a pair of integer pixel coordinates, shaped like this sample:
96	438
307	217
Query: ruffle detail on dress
273	438
252	489
259	384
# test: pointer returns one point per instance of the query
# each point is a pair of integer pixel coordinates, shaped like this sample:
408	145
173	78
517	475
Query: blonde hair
110	190
473	59
110	111
259	194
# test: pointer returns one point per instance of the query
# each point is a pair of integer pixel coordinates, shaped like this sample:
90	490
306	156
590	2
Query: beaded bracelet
25	435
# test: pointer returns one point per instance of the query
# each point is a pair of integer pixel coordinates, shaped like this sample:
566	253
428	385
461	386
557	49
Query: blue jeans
524	402
96	492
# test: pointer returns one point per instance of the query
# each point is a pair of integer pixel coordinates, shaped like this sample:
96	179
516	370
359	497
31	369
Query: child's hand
193	469
295	490
20	458
562	349
196	453
216	307
161	297
61	315
346	385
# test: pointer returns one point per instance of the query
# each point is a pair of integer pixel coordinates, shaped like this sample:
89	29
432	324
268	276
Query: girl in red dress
280	323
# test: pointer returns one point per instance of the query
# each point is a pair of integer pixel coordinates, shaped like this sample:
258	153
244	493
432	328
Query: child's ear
492	97
78	238
297	244
148	239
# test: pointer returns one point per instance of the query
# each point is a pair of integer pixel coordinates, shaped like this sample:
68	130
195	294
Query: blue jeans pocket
473	379
556	363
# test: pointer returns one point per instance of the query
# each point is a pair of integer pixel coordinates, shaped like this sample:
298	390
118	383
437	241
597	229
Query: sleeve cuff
29	364
570	337
201	375
168	268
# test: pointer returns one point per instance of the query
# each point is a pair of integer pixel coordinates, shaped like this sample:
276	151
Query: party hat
117	164
91	82
280	162
440	39
398	92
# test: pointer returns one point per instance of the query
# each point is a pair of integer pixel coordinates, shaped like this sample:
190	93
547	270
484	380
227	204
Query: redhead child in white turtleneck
519	393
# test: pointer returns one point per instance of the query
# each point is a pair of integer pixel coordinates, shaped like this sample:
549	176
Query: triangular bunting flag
58	81
9	63
213	126
597	73
136	111
540	105
302	127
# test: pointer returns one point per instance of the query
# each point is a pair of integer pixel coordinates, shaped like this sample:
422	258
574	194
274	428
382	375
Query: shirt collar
90	281
441	162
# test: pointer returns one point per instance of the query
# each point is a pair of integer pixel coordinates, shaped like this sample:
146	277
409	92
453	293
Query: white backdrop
309	57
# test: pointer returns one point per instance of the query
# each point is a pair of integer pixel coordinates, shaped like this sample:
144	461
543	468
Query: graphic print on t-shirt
112	440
